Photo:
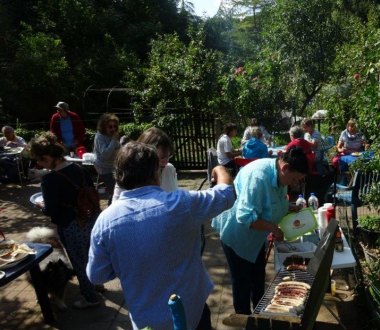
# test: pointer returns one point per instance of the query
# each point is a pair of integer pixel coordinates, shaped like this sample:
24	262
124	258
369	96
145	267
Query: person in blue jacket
255	148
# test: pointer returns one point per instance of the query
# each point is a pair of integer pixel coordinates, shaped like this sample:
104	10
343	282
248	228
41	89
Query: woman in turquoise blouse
261	188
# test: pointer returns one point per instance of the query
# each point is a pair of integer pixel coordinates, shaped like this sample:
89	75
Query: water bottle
313	202
301	201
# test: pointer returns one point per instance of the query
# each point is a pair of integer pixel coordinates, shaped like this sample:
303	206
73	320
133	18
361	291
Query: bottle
301	201
313	202
178	312
330	213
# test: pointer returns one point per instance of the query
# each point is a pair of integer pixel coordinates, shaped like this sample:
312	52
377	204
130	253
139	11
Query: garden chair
212	161
352	195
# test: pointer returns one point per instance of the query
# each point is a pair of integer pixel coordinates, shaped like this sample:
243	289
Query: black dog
55	271
55	276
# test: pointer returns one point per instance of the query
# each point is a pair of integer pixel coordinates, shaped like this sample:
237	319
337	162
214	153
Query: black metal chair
212	161
352	195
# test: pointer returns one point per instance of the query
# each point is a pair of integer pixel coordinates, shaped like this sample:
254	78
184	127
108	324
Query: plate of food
296	224
36	198
12	253
356	154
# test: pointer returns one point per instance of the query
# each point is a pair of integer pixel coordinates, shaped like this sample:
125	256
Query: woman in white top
158	138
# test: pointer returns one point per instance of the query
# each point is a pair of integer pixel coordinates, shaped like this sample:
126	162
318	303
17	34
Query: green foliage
354	91
132	130
178	75
370	222
305	34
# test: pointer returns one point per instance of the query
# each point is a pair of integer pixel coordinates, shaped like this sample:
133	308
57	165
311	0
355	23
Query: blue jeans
248	279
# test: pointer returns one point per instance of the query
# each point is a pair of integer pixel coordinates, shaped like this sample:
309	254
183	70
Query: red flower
239	70
357	76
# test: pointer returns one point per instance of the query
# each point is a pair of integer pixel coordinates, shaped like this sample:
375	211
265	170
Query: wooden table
31	264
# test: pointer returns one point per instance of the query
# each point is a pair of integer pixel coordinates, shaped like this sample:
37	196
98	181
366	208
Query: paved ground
19	309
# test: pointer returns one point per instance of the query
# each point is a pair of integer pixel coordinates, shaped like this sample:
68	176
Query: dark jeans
109	182
248	279
205	322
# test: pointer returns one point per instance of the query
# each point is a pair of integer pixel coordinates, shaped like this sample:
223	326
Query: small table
82	161
346	160
277	150
31	264
344	259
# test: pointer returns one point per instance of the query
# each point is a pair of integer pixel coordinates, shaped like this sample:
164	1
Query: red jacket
78	127
306	146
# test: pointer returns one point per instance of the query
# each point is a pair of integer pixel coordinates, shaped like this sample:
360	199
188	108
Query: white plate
36	198
4	264
2	274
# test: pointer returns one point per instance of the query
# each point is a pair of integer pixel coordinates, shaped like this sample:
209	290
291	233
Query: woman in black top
60	198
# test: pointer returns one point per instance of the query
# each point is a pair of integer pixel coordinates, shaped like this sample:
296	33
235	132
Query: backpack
87	206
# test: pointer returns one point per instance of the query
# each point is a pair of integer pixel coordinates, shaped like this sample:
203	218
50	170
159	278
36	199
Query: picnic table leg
42	294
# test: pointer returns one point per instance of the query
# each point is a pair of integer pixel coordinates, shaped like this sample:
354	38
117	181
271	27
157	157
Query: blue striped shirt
150	240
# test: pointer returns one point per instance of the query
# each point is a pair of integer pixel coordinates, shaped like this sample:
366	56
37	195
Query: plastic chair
212	161
352	196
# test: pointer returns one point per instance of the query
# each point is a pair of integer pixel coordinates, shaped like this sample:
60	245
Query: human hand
220	175
293	207
278	234
40	205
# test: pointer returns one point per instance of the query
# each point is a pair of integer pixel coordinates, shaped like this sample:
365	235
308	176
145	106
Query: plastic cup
333	287
71	154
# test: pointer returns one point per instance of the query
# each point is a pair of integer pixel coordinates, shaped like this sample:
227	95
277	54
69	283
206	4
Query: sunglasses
112	126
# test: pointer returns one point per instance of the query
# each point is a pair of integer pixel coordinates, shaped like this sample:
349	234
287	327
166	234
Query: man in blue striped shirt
150	240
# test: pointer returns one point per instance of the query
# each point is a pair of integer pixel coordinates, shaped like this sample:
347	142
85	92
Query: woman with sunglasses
106	146
168	174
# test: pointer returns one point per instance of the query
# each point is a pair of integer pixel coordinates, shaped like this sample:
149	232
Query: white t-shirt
224	145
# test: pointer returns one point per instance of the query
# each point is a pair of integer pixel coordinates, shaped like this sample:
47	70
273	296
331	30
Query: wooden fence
192	134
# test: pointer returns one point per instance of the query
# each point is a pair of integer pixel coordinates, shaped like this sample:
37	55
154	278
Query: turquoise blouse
259	196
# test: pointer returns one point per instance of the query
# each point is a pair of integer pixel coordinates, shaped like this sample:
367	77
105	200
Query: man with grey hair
9	162
10	139
297	139
67	126
151	240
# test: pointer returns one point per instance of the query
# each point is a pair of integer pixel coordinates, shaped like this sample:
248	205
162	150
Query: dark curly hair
296	159
46	145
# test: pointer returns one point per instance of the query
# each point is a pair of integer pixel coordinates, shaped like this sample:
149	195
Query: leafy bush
133	130
370	222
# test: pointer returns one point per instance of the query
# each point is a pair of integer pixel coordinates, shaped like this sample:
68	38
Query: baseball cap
62	105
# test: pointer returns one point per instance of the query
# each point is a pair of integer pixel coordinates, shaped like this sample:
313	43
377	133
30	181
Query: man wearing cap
67	126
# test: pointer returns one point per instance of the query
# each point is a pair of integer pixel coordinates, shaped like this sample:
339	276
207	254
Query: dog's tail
40	234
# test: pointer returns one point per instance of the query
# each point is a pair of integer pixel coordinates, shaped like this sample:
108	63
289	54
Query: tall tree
305	35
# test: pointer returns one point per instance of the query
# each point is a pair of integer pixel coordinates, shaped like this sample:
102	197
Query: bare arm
340	146
220	175
263	225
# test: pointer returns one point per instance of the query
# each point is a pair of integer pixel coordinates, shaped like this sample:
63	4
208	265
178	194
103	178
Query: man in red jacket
67	126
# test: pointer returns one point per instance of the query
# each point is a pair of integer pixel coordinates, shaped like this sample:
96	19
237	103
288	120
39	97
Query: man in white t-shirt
225	152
